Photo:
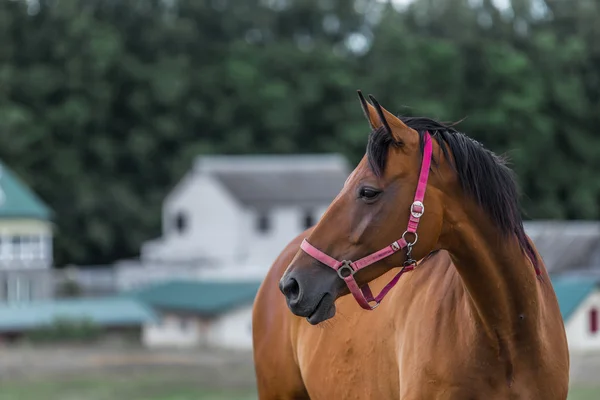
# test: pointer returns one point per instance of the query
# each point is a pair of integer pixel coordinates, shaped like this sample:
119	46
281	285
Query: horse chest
337	365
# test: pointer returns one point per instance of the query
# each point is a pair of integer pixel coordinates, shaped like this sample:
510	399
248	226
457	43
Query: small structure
25	242
199	313
90	281
579	301
109	314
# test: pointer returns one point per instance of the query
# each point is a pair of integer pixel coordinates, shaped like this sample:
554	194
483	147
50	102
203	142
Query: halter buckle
345	265
410	262
415	213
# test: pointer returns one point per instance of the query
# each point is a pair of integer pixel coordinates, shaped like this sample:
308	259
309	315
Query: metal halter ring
417	214
376	304
410	243
345	265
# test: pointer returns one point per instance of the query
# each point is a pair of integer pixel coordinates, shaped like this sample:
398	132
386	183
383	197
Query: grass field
584	393
85	373
149	387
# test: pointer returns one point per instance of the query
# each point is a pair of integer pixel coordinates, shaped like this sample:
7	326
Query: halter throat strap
346	269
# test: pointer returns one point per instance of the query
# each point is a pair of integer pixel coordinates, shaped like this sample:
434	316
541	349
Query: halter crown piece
346	269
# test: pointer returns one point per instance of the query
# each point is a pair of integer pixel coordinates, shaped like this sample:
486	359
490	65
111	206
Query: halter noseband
346	269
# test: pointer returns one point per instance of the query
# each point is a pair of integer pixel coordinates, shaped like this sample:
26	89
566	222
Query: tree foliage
104	104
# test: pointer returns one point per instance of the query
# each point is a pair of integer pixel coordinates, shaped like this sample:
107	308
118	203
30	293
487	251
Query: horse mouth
324	310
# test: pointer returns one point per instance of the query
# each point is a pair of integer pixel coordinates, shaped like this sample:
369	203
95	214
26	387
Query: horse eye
368	193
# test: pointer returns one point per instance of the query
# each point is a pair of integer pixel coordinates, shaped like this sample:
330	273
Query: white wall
286	223
578	325
168	331
233	330
263	247
213	217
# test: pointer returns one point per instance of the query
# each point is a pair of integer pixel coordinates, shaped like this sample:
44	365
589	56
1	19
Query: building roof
566	245
262	181
105	311
201	297
17	200
571	292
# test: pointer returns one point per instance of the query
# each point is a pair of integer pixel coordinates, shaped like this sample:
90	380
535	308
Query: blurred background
157	155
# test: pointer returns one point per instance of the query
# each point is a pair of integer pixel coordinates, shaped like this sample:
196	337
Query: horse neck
499	278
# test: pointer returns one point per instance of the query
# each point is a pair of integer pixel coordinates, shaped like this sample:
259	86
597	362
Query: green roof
17	200
202	297
104	311
571	291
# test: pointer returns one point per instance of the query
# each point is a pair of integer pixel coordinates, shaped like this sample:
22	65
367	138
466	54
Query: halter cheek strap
346	269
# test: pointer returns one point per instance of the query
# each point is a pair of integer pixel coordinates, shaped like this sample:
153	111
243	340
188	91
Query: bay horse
473	314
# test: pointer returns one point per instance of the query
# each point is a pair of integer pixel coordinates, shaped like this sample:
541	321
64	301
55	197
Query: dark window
16	246
263	223
309	219
180	222
593	320
5	288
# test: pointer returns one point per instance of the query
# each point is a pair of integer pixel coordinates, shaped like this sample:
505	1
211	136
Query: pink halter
346	269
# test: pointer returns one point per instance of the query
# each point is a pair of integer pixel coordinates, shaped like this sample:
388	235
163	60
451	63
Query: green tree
104	104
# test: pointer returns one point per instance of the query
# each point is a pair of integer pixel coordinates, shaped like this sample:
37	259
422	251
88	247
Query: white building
26	254
567	246
199	314
571	253
230	216
579	300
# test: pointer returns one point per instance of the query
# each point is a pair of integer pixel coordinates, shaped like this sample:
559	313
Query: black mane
481	173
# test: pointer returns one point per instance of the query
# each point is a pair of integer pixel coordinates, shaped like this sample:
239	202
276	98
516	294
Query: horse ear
369	111
395	127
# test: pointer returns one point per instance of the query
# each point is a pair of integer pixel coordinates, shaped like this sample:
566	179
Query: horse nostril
291	289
